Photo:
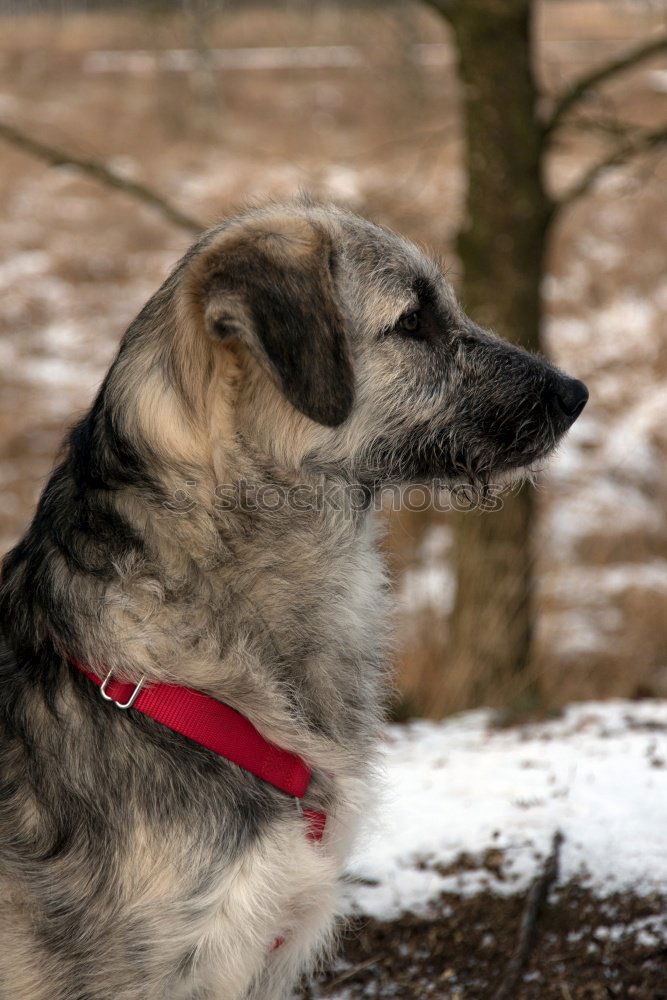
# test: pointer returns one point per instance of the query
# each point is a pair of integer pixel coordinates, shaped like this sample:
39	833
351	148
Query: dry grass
77	261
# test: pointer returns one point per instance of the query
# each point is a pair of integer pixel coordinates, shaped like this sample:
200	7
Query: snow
432	582
628	444
143	61
657	79
461	787
621	328
583	583
433	586
250	58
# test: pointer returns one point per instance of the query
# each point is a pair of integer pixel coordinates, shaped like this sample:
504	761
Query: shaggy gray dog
191	536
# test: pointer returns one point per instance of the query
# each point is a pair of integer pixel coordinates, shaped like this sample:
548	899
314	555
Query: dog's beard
453	459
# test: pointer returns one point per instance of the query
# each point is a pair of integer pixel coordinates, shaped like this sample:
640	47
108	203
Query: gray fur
134	864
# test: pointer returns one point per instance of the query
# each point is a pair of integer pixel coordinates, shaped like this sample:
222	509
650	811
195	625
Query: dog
179	550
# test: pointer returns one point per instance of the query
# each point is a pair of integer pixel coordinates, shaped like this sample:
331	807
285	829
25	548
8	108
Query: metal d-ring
130	701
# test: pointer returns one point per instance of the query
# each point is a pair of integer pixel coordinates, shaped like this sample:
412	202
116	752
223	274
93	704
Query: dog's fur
134	864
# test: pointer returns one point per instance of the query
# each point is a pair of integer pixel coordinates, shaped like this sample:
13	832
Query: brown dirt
585	949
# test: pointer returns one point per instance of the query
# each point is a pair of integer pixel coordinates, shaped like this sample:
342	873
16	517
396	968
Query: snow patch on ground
583	583
142	61
461	788
433	582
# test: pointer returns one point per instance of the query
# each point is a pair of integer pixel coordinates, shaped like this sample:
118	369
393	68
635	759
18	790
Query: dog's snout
571	396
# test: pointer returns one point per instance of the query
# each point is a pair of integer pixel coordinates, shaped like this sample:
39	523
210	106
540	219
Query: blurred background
524	142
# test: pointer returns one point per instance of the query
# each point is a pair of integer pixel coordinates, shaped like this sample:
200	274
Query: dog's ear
270	283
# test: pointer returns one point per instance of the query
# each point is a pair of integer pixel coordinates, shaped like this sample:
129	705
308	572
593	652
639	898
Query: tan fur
134	866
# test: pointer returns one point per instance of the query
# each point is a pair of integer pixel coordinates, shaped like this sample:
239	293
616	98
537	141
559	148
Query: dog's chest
268	914
325	612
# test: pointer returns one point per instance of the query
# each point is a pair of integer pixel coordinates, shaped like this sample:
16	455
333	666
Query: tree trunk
501	249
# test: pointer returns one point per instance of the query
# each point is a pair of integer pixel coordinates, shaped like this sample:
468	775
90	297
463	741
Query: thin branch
56	157
583	86
642	142
350	973
535	900
609	126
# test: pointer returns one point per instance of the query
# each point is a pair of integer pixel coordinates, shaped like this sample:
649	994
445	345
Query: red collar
211	724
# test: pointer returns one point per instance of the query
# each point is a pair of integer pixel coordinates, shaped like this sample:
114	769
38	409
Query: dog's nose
571	396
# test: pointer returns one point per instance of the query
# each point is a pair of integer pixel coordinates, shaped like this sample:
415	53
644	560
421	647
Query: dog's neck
277	611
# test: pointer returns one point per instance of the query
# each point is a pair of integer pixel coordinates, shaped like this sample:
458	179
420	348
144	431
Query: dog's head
350	348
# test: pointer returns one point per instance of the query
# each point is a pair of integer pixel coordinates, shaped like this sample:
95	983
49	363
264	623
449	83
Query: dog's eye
410	324
417	324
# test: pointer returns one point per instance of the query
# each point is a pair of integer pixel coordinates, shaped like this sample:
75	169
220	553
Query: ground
467	822
584	950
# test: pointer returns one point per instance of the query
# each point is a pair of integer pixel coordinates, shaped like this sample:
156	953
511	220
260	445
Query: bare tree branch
105	175
583	86
607	125
535	900
350	973
642	142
